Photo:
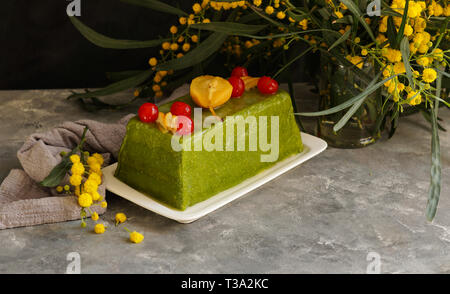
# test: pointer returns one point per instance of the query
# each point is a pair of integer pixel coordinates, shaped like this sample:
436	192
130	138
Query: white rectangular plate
312	147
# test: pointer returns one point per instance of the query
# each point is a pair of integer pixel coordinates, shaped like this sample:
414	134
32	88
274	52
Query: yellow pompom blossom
94	216
269	10
156	88
435	9
196	8
95	178
174	47
95	196
104	204
399	68
447	10
96	168
98	157
338	14
392	55
419	24
77	169
304	24
166	45
186	47
194	38
157	79
90	186
75	158
429	75
91	160
59	189
120	218
173	29
417	98
414	9
408	30
423	61
85	200
438	54
99	229
356	60
75	180
364	52
182	20
136	237
281	15
152	61
257	2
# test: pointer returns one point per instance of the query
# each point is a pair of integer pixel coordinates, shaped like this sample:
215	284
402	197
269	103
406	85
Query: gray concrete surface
324	216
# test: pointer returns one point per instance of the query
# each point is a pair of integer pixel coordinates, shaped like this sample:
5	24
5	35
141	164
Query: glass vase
338	84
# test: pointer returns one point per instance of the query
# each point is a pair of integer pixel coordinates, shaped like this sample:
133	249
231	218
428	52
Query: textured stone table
324	216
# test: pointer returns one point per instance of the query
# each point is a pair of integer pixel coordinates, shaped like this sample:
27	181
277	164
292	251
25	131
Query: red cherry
185	125
239	71
148	112
267	85
181	108
238	86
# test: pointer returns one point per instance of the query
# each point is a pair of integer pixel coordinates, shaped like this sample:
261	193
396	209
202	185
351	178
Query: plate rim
314	145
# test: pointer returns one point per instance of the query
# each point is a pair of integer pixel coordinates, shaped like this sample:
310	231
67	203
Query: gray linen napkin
23	202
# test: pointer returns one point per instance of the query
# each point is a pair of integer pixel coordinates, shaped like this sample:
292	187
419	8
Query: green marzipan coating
148	163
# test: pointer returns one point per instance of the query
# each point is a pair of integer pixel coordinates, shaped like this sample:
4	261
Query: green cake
148	163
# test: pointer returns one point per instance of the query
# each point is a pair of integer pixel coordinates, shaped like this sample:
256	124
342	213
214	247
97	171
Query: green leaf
107	42
445	74
156	5
197	55
263	15
61	169
117	86
355	10
404	49
297	17
58	172
401	30
230	28
343	38
428	116
435	182
369	90
348	114
287	64
392	33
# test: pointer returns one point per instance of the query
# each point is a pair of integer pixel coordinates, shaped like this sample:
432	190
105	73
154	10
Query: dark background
40	48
